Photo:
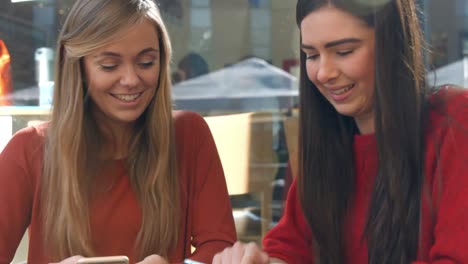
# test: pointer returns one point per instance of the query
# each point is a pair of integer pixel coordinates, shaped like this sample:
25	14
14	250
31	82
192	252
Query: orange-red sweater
444	236
115	218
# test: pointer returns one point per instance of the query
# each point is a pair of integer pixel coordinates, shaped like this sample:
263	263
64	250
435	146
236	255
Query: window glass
201	3
200	17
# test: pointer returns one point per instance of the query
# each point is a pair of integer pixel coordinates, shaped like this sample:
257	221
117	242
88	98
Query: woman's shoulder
449	101
184	116
188	123
34	134
26	146
448	109
449	95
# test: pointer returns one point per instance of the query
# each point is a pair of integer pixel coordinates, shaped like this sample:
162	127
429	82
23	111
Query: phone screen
107	260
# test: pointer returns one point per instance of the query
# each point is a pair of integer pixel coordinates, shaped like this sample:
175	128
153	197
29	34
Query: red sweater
444	235
115	217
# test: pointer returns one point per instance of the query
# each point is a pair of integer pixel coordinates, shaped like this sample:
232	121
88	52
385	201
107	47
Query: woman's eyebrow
342	41
147	50
332	43
107	54
115	54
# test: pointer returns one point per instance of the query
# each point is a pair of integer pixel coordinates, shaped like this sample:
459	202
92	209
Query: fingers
254	255
223	257
241	253
237	252
216	259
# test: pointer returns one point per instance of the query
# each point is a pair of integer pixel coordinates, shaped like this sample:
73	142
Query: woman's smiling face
122	77
339	48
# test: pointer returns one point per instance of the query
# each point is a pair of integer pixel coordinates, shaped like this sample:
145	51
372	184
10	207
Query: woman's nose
129	77
327	71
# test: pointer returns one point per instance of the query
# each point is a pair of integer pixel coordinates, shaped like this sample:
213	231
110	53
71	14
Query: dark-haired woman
383	173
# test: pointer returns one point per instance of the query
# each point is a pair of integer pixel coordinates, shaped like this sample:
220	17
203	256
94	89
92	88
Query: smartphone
107	260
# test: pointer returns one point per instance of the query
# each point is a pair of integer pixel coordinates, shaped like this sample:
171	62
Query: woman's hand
242	253
70	260
154	259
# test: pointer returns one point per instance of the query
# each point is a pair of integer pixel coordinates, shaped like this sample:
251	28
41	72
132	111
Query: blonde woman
115	171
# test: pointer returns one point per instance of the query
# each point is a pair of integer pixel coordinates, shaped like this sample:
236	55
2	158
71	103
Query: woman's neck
365	124
117	141
117	137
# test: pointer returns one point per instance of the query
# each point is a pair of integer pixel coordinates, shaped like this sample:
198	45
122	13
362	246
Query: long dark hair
326	177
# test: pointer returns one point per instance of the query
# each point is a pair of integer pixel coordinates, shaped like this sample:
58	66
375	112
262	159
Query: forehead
329	23
133	39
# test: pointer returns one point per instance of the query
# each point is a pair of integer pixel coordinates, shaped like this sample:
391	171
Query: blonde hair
71	145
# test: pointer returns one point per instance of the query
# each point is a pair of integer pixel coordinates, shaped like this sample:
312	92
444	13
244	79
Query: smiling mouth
342	90
127	97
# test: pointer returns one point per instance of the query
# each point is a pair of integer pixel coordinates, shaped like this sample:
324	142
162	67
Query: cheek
151	80
94	79
99	82
367	69
311	70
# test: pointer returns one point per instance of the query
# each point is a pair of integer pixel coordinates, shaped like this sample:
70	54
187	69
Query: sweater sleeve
210	207
16	193
450	188
291	239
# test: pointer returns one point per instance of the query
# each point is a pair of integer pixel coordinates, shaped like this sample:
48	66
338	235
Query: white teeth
342	91
127	97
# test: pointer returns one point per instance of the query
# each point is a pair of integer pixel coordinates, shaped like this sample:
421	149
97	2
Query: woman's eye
108	67
344	53
146	64
312	56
